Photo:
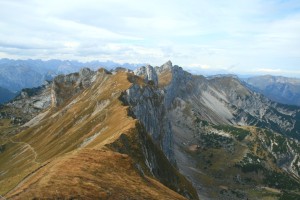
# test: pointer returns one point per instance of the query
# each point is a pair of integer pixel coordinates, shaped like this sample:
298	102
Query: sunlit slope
67	151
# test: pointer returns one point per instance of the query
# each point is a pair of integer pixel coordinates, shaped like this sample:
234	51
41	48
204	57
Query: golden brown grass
92	174
164	78
63	168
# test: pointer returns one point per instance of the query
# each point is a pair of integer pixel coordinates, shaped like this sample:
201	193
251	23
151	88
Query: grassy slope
92	174
64	155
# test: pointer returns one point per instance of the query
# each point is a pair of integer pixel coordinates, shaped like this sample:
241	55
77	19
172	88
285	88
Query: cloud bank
237	36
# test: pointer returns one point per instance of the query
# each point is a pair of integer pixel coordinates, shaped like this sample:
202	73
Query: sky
232	36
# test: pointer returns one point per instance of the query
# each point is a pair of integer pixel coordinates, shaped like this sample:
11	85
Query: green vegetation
250	163
289	196
280	145
212	140
281	180
239	194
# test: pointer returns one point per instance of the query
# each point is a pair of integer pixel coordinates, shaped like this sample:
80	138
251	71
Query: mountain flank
151	133
277	88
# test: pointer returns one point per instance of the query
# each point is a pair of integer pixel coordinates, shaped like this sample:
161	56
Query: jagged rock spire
167	65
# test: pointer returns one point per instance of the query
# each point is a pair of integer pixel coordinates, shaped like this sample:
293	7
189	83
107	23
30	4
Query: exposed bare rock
148	73
66	86
147	104
28	104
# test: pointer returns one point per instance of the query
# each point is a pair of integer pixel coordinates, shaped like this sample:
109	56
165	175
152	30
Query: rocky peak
176	71
86	77
173	79
165	67
148	73
168	64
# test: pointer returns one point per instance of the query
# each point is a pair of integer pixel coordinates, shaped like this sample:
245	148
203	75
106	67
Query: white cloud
267	70
210	35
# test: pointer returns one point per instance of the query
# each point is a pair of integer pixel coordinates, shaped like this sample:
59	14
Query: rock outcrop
65	87
27	104
148	73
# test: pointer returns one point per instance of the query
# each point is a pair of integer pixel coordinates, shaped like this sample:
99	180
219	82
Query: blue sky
234	36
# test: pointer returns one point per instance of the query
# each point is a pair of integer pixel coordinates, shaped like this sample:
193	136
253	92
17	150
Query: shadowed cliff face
147	104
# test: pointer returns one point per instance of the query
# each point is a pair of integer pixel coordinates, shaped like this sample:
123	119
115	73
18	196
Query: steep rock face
66	86
150	104
147	104
178	85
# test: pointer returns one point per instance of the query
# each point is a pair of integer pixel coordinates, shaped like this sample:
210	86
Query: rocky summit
151	133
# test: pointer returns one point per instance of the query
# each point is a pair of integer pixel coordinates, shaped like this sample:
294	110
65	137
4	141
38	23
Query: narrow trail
25	179
28	146
2	198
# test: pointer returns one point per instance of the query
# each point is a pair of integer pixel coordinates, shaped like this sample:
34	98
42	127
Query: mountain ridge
213	132
98	126
278	88
16	75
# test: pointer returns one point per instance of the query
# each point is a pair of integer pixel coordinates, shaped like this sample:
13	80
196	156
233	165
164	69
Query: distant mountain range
18	74
6	95
277	88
